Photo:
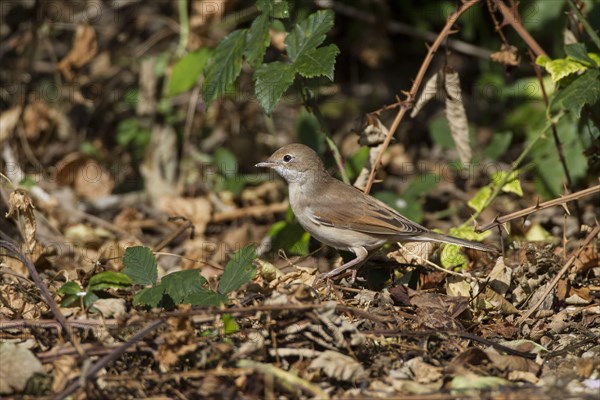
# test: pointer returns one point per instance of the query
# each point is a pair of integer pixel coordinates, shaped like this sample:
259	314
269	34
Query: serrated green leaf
70	287
239	270
89	299
257	40
451	257
480	199
583	90
140	265
318	62
108	280
279	9
562	67
225	65
180	284
229	324
595	57
149	296
272	80
578	52
206	297
468	232
512	185
542	60
308	34
186	71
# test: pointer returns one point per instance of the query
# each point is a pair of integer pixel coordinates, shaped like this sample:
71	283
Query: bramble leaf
583	90
272	80
257	40
239	270
140	265
309	34
181	284
318	62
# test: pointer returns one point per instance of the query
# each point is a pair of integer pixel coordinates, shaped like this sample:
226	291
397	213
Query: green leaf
410	208
318	62
180	284
479	201
149	296
109	279
206	297
186	71
583	90
229	324
225	66
512	185
257	40
239	270
421	186
289	236
452	257
279	9
140	265
563	67
498	145
578	52
309	34
71	288
468	232
226	162
272	80
70	300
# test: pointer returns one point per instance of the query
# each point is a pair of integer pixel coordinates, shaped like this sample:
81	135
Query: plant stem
184	27
586	25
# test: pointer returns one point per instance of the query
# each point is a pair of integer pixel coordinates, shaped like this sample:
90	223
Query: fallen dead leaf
17	367
21	209
82	52
339	366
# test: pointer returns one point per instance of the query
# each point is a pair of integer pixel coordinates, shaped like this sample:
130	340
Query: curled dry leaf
20	205
88	178
508	55
83	51
457	116
339	366
430	90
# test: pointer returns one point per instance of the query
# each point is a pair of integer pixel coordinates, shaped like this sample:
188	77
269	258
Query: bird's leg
361	256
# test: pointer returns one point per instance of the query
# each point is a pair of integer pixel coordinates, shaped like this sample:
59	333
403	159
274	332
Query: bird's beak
266	164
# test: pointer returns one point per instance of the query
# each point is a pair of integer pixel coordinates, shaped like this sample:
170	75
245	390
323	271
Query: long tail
439	237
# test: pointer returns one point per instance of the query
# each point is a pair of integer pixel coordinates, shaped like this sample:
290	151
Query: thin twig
515	22
530	210
109	358
558	276
405	105
41	286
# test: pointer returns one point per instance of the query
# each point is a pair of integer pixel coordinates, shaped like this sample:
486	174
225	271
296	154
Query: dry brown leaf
88	178
457	116
83	51
8	122
197	210
178	340
339	366
17	366
21	209
430	90
500	277
508	55
65	369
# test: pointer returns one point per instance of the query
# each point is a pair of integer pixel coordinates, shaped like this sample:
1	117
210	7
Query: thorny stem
407	104
530	210
515	22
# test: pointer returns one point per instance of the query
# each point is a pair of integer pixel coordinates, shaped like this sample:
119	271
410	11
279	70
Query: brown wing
362	213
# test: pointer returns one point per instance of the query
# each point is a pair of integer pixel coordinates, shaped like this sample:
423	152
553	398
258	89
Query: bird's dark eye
287	158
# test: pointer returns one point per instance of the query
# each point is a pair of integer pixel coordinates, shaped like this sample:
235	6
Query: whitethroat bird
342	216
